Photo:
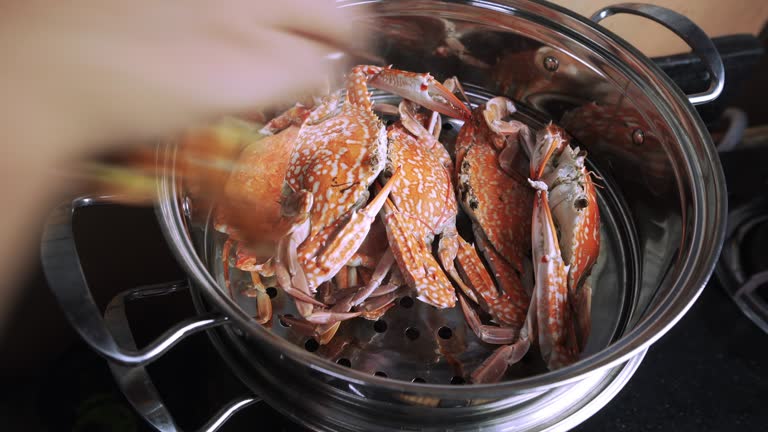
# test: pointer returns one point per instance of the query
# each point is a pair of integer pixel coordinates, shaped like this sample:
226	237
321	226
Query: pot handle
687	30
61	266
135	382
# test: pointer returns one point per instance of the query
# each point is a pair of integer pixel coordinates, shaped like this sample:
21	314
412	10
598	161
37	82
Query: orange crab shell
423	202
424	193
555	327
580	237
499	202
341	167
586	244
252	193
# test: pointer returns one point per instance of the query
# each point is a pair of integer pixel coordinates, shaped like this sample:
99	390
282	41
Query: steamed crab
252	189
553	213
425	207
325	212
496	198
422	207
531	200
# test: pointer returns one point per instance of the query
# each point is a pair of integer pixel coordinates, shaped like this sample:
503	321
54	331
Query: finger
319	18
206	79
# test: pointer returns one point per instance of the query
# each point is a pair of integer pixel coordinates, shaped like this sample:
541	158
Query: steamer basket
662	204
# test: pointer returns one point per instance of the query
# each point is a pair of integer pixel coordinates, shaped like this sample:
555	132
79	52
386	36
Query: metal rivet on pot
551	63
638	136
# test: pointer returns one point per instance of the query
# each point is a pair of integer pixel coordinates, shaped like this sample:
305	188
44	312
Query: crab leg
488	334
448	251
375	313
381	270
414	257
386	288
294	116
556	338
582	308
329	316
361	260
263	302
495	110
348	239
327	292
352	275
290	275
421	88
338	295
259	290
508	307
494	367
548	144
425	136
512	139
329	321
342	280
374	307
358	296
517	285
306	328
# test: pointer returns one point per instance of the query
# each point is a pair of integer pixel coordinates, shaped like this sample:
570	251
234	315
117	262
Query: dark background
709	373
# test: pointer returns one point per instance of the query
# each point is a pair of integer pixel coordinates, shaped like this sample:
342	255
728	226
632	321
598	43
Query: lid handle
687	30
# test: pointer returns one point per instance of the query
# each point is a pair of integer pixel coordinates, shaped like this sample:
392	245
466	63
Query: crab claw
495	110
494	367
422	89
556	337
550	141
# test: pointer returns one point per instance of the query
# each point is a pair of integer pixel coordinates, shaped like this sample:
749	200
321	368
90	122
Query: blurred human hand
83	74
111	68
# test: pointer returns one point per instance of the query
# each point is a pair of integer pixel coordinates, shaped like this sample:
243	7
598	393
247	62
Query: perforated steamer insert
418	343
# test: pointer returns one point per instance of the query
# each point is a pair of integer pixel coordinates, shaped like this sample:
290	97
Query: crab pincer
421	88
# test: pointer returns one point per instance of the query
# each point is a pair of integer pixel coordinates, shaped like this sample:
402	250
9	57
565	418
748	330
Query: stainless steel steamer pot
663	197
